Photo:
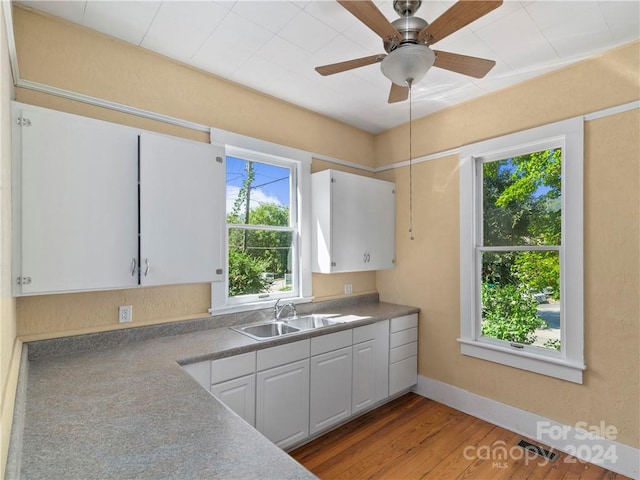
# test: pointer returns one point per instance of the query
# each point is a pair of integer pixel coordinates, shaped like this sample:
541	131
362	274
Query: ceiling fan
407	42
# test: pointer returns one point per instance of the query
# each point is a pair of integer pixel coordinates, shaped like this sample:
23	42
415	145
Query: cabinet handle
133	266
368	258
148	264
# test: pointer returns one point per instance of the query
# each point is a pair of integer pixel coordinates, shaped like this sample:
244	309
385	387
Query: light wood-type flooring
416	438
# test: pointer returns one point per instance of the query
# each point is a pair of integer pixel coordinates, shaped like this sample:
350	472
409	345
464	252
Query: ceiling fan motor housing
407	25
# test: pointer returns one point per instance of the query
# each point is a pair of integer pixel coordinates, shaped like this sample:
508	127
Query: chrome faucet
278	309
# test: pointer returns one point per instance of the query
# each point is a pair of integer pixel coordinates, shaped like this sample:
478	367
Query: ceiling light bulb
408	62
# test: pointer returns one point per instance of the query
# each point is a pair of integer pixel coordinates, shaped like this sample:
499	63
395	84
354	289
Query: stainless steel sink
265	330
272	329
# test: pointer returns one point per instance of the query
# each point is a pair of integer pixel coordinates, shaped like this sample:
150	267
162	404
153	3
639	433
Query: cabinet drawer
403	337
364	333
403	374
236	366
331	341
403	351
403	323
287	353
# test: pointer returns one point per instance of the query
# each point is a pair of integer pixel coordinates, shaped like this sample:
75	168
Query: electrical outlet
348	289
125	313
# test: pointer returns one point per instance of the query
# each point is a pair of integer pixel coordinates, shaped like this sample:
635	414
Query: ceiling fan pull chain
409	83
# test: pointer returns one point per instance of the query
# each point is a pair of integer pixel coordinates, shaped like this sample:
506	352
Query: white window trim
568	364
260	150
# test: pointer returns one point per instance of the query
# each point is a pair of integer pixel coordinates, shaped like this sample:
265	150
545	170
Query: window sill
552	367
248	307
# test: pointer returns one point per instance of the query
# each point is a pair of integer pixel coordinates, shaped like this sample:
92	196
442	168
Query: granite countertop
131	411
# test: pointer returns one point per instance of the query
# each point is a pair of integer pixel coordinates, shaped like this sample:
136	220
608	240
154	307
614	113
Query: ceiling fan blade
472	66
458	16
398	93
349	65
367	12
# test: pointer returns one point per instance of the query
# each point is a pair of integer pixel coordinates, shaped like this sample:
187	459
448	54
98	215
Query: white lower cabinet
330	391
239	395
282	393
370	383
364	375
282	406
231	380
296	390
403	353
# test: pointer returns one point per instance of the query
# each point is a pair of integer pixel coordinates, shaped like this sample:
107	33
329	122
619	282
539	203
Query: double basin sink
278	328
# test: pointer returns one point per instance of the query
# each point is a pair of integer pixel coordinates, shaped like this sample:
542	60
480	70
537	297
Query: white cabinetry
296	390
233	382
75	203
403	353
330	390
181	188
102	206
282	389
353	222
370	365
239	395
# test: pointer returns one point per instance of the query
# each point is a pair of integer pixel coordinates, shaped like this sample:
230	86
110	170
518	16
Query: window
521	250
267	225
262	231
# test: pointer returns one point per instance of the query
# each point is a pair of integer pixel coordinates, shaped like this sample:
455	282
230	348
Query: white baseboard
605	452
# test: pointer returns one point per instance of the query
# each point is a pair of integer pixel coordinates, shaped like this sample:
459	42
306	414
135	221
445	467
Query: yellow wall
10	347
427	272
67	56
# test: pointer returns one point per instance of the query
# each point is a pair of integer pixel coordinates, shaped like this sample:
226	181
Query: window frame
568	364
299	162
256	157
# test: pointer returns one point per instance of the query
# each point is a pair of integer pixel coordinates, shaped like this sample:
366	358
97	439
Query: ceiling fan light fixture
408	62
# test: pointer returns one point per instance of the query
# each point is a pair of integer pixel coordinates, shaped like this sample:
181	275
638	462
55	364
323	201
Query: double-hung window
266	227
521	250
262	228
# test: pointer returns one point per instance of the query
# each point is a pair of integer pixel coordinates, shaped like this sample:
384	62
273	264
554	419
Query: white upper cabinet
181	191
100	206
75	185
353	222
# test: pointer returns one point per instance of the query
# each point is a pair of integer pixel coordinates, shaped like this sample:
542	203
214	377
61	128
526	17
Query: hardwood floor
416	438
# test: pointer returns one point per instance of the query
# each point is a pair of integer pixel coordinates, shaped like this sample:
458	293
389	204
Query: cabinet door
77	179
364	375
371	369
403	374
239	395
353	222
282	403
380	240
330	391
349	221
181	208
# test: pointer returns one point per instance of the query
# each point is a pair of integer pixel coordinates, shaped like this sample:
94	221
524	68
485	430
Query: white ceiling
273	46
